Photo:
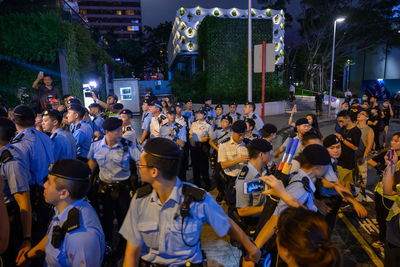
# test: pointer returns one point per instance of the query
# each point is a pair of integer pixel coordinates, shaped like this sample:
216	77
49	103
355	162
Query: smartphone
254	186
41	72
391	155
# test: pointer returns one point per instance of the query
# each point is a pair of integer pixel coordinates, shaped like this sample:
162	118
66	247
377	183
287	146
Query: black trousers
392	255
183	164
219	178
113	202
16	235
200	165
382	206
396	111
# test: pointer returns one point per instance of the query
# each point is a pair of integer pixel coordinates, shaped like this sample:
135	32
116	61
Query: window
118	12
126	93
133	28
130	12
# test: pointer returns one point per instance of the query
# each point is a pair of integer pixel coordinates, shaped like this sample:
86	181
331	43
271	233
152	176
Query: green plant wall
223	49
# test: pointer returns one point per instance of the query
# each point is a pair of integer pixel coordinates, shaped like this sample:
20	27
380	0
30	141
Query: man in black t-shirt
350	136
45	90
319	98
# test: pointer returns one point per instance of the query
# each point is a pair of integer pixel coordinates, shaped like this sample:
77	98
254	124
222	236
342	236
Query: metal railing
71	14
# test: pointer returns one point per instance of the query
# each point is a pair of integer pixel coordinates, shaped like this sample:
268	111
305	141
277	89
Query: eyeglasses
143	166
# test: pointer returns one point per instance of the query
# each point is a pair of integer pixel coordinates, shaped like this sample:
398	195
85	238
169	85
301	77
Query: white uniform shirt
155	125
230	151
200	129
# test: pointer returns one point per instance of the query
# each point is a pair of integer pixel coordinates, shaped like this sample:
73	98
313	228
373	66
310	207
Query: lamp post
249	58
333	60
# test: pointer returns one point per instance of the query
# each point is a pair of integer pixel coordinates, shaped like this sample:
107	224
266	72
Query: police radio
69	225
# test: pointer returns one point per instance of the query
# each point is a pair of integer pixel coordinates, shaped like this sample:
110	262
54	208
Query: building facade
122	18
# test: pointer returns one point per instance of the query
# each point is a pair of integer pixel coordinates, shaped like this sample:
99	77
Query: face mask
373	111
346	108
364	98
385	105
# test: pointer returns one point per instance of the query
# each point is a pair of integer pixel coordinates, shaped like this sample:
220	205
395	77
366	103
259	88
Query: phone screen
254	186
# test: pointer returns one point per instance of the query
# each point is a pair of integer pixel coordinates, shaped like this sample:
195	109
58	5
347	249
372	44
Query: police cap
202	110
251	104
317	155
251	122
162	148
219	106
227	117
71	169
112	123
232	103
77	108
74	100
147	101
94	105
268	129
171	110
261	145
24	112
239	127
179	104
127	112
156	103
188	101
118	106
207	98
54	114
331	140
301	121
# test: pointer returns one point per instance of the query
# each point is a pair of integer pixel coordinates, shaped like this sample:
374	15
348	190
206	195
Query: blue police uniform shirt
97	124
220	136
113	161
179	131
331	176
83	246
156	228
236	116
83	134
62	148
71	140
190	115
248	200
37	149
15	173
90	122
211	113
217	122
146	120
296	189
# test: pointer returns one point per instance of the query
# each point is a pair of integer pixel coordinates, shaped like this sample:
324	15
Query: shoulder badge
198	194
54	136
243	173
254	117
96	139
5	156
126	142
143	191
129	128
238	114
78	126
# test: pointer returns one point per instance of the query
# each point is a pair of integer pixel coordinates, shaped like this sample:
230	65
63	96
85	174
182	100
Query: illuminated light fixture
340	19
93	84
380	80
216	12
268	12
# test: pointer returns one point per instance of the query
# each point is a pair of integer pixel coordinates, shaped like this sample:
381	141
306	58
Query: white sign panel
269	58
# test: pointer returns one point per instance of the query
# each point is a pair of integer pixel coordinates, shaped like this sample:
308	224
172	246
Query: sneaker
359	197
377	244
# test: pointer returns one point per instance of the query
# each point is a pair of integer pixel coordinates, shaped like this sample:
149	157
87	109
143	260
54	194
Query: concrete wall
270	108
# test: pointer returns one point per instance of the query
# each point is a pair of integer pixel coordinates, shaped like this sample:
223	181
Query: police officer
16	177
189	112
314	161
218	137
177	133
248	110
268	132
219	109
199	135
128	132
62	148
116	158
37	151
232	111
146	120
165	218
249	205
250	135
81	131
74	236
210	111
158	118
181	119
97	121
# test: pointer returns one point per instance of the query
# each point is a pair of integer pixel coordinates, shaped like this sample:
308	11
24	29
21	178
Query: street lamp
333	60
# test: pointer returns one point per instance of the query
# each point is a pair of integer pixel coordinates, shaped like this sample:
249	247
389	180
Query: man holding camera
46	89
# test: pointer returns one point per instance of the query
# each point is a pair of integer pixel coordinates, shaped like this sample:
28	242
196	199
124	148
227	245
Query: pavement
353	235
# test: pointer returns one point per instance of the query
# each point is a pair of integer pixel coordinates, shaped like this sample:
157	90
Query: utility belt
143	263
113	189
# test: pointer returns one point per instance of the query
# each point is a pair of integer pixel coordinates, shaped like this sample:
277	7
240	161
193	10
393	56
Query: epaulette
178	125
161	118
143	191
128	128
53	136
198	194
238	114
243	173
96	139
254	117
5	156
125	142
17	139
226	140
78	126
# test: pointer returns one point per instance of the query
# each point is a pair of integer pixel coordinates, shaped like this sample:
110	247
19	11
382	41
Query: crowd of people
79	187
